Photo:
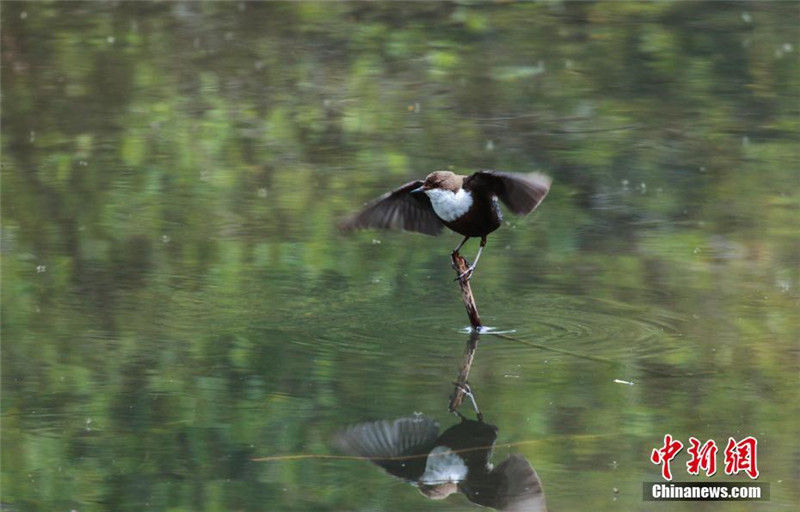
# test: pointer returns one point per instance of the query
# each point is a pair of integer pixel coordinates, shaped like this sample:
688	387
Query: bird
467	205
458	460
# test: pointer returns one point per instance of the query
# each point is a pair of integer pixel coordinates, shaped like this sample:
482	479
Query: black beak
418	190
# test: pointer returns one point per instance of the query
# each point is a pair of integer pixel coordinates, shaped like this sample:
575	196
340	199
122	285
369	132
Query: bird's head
444	180
438	491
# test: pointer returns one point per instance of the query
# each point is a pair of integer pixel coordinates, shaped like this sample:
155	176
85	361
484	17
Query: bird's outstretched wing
400	446
521	489
521	193
513	486
398	209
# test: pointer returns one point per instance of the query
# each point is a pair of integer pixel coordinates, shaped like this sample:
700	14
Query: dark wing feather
521	489
513	486
521	193
398	209
400	446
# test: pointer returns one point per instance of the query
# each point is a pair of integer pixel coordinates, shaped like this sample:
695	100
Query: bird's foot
466	275
464	388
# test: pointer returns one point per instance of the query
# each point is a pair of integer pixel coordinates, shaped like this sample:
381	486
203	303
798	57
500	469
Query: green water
177	300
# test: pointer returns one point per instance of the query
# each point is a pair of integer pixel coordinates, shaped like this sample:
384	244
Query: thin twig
460	266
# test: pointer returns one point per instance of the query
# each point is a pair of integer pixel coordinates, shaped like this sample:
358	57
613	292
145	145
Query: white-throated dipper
466	204
458	460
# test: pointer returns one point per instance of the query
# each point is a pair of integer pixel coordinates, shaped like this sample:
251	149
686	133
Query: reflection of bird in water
439	465
465	204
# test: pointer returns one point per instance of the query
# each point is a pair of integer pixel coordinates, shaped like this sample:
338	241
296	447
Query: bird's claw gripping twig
464	388
467	274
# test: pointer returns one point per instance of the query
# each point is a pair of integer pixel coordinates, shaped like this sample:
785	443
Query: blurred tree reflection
176	298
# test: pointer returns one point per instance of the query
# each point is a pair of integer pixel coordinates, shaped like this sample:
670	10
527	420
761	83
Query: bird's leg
468	273
455	251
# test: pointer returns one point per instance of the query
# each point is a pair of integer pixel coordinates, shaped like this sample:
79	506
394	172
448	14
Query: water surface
177	300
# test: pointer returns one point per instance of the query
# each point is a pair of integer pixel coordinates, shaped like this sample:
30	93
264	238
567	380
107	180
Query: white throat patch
449	205
443	466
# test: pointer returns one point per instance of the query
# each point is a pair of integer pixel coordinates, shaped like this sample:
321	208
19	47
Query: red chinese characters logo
741	456
703	457
665	454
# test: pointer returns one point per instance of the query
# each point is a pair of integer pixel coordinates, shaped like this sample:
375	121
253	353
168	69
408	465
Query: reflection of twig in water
463	373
